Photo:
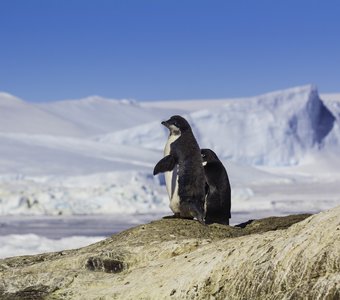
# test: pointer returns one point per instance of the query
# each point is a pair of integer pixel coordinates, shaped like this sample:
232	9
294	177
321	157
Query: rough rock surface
293	257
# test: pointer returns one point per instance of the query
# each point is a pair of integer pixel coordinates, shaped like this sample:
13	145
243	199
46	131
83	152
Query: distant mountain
95	115
55	155
276	129
76	118
19	116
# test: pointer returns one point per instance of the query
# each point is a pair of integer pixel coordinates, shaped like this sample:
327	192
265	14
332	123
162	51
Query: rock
289	257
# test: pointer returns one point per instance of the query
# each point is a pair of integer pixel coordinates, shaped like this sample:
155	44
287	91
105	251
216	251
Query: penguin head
208	156
176	123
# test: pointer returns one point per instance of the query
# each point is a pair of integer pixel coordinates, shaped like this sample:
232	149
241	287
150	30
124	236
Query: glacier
275	129
73	171
95	155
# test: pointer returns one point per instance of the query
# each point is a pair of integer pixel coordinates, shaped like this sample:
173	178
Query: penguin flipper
167	163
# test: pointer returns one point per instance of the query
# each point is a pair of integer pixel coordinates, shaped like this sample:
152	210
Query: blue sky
166	49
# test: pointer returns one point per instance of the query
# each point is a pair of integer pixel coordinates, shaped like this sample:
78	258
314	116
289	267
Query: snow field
95	157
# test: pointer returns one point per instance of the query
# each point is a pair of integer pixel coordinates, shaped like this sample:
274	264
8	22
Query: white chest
170	140
171	178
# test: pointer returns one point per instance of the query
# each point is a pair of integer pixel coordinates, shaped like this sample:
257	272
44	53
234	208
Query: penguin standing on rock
186	182
218	192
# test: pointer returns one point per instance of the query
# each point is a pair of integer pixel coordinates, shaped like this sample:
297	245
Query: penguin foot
209	221
174	216
201	221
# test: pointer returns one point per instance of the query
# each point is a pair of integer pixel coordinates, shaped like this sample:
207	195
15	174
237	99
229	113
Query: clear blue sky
166	49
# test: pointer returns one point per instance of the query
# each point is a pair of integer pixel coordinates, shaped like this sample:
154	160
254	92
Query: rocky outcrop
293	257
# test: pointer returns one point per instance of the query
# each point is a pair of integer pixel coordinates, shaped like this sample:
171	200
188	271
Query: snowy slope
95	156
331	97
271	145
200	104
76	118
188	105
278	128
100	115
273	129
46	155
19	116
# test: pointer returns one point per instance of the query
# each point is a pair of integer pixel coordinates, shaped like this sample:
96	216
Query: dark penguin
218	192
185	155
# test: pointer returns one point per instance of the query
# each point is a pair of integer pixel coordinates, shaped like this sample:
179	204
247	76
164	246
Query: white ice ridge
276	129
96	155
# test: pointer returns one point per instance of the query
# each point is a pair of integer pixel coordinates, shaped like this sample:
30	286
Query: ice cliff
274	129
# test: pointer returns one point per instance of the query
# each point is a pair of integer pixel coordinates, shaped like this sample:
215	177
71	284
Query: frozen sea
24	235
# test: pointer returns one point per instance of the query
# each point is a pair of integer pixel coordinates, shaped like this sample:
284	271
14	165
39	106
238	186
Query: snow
94	157
276	129
31	155
19	116
335	97
187	105
29	244
95	115
99	193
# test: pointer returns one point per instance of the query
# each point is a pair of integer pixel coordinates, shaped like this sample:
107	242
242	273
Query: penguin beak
165	123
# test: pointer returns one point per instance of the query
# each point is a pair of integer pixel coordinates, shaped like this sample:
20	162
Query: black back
218	198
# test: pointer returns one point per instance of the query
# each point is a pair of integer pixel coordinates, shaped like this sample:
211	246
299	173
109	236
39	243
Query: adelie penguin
185	179
218	192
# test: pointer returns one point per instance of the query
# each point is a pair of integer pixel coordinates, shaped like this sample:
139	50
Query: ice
95	115
105	193
261	140
94	157
277	128
28	244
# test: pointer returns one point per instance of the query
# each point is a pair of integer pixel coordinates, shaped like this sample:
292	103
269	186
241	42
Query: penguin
171	177
187	194
218	191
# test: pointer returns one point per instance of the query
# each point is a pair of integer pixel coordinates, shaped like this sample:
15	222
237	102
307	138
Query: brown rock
182	259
